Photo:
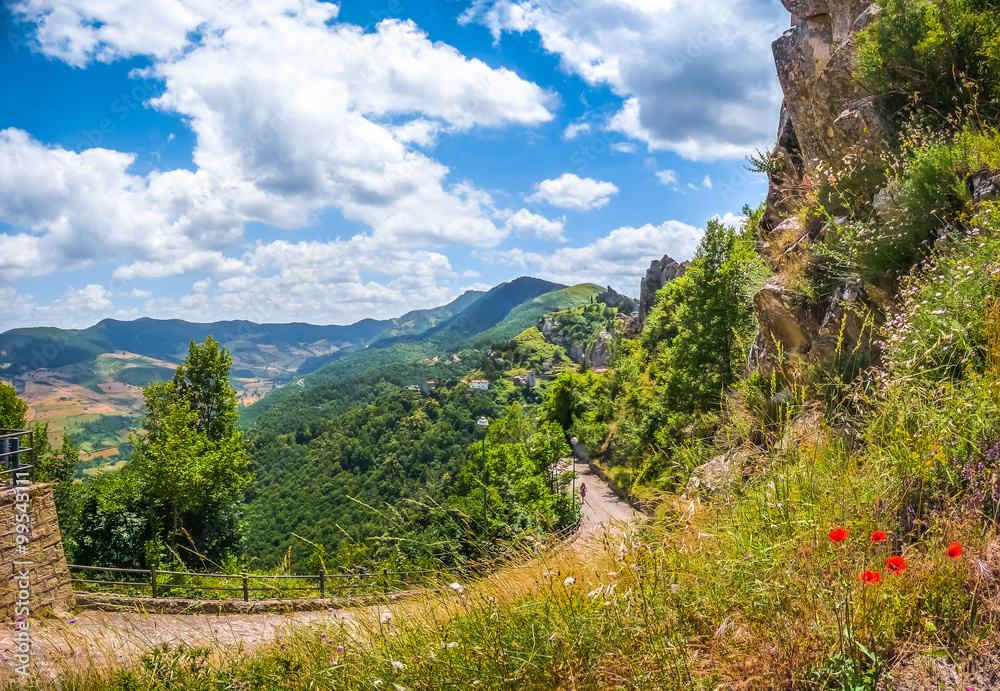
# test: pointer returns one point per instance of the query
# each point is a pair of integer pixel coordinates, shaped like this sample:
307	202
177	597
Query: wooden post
385	580
246	589
322	583
152	573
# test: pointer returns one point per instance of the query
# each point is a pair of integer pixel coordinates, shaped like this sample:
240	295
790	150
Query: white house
480	384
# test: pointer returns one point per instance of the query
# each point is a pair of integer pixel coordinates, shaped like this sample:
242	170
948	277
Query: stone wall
43	557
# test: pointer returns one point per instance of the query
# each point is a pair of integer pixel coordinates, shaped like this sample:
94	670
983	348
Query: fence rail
11	452
160	582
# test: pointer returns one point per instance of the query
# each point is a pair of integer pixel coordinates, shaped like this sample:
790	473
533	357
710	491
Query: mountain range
71	376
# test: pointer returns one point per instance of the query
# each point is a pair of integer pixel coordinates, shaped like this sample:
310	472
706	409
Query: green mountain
270	350
447	351
71	376
352	460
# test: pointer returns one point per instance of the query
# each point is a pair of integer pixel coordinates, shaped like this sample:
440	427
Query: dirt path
108	639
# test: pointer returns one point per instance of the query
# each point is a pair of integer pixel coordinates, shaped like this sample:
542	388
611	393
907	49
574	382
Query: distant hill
449	350
85	373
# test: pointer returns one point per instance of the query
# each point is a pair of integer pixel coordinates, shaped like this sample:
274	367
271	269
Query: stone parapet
39	554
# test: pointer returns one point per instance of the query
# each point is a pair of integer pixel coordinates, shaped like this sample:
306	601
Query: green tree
707	318
51	464
669	382
581	404
192	462
12	408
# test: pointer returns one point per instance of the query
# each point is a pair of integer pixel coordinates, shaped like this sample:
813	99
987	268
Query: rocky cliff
612	298
827	119
660	272
827	125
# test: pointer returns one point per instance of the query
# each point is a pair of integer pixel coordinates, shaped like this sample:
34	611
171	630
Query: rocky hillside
828	124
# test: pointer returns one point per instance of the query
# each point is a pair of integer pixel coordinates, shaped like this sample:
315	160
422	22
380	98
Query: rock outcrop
599	353
826	117
828	123
832	115
612	298
659	273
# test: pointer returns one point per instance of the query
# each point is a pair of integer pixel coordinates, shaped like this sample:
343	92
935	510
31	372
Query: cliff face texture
660	272
41	566
826	118
827	123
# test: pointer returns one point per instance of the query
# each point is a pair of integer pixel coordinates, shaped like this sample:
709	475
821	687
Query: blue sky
296	160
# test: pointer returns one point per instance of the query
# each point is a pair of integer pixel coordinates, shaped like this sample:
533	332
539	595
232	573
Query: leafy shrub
930	197
922	58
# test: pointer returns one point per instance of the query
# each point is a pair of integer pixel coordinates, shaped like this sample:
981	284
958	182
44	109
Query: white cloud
293	114
707	183
92	298
324	115
340	281
576	129
570	191
620	258
697	78
667	177
81	207
525	223
75	309
112	29
731	219
625	147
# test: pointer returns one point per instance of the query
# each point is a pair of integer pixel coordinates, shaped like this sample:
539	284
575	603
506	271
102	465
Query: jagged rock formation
826	117
612	298
599	353
660	271
550	329
827	123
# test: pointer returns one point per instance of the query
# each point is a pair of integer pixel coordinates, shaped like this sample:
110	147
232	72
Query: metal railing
160	582
11	455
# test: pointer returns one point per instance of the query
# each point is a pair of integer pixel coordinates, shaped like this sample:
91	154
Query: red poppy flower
838	534
954	551
895	564
879	536
871	577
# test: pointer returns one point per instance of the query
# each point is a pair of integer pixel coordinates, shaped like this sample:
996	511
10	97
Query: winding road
108	639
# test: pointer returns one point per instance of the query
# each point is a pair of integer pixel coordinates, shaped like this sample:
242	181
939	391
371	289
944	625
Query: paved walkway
601	507
105	639
108	639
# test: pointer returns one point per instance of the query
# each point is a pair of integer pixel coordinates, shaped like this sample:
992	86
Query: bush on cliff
926	60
